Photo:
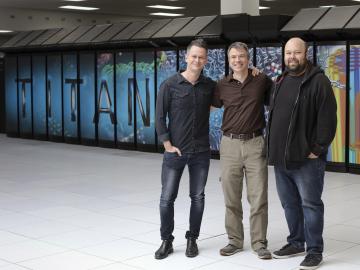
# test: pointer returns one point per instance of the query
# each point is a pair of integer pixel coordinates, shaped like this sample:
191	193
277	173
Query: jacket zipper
291	116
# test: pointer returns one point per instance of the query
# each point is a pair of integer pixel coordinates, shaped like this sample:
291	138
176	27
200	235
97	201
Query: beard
295	67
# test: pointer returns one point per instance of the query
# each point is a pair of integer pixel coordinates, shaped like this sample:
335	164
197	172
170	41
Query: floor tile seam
347	262
64	252
342	251
113	263
214	262
116	260
13	263
341	240
8	229
117	237
40	257
134	219
349	225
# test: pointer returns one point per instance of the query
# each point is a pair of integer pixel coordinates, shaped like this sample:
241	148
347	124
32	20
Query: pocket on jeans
170	154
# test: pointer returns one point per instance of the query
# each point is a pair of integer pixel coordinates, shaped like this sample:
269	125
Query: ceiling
137	8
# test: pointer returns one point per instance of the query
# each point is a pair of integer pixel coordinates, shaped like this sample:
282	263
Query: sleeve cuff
317	149
164	137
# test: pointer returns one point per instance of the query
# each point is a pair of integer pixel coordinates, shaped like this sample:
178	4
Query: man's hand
312	156
171	149
255	71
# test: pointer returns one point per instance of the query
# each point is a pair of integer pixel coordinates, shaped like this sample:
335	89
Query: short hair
198	43
239	45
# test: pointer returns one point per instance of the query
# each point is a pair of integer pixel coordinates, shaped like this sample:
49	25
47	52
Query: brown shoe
263	253
229	250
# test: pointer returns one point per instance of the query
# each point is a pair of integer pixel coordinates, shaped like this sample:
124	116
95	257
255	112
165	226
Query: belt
244	137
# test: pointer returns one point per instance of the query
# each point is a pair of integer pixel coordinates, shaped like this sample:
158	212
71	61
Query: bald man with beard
302	125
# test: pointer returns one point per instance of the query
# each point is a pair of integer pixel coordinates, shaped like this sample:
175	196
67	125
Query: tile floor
71	207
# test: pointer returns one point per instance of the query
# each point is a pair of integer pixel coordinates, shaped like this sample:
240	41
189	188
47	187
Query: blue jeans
300	195
172	169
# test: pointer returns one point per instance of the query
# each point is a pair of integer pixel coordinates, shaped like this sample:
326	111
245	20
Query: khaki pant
237	158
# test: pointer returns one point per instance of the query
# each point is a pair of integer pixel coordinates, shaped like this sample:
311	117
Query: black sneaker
311	261
288	251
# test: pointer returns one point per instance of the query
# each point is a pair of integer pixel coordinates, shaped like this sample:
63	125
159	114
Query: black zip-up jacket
313	119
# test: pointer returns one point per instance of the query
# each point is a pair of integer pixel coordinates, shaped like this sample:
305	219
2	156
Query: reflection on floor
71	207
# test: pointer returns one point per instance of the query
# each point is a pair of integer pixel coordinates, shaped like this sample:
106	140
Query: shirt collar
181	79
230	77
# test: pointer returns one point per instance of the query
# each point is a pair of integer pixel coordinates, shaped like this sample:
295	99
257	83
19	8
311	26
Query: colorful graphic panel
11	95
145	98
354	105
87	95
310	53
269	60
70	95
24	86
125	96
54	95
182	63
166	62
39	95
332	58
166	65
105	97
215	69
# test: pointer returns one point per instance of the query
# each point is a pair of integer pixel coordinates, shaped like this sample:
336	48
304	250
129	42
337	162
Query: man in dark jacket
302	125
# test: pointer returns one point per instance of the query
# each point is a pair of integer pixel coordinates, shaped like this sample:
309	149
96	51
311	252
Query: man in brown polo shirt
242	150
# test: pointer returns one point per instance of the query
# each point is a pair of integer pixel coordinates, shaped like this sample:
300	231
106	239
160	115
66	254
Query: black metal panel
354	23
25	41
195	26
109	33
352	29
130	30
54	39
172	27
73	36
236	27
267	28
336	18
44	36
212	29
151	29
93	33
304	19
15	39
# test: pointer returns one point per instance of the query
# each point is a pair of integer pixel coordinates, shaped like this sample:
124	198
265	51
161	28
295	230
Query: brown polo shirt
243	102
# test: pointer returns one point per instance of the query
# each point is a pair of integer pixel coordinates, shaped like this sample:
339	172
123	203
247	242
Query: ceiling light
260	7
165	7
79	8
166	14
6	31
327	6
75	0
